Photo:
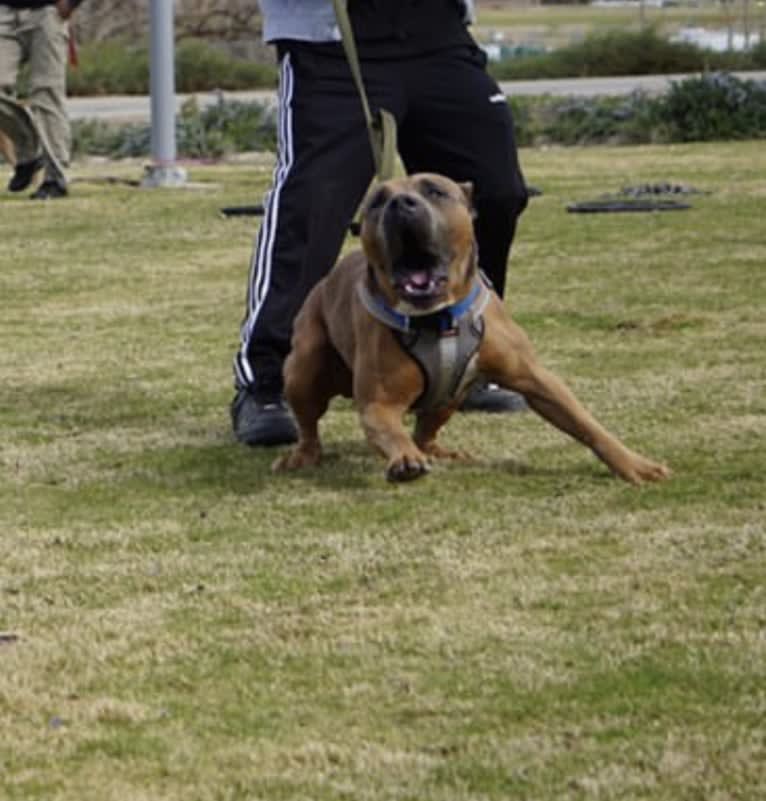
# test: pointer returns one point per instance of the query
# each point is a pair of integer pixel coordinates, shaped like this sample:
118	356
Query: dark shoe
48	190
24	174
264	421
488	397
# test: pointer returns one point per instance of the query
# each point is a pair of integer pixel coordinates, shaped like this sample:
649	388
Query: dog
414	294
7	149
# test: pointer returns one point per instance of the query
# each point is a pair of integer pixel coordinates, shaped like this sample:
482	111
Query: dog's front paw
407	467
296	459
640	469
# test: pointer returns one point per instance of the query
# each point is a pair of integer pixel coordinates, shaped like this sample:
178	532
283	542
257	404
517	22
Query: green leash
381	126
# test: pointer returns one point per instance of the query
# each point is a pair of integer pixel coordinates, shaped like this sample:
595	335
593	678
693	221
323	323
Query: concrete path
137	108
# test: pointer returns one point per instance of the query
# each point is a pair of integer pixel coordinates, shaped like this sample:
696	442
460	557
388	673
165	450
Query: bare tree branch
227	20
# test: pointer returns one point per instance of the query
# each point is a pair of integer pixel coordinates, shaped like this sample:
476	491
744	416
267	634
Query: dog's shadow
201	458
351	463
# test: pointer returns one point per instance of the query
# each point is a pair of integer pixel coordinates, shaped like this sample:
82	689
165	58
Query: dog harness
444	344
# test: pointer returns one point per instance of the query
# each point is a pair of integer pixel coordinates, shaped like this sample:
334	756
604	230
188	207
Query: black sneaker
24	174
488	397
49	190
262	422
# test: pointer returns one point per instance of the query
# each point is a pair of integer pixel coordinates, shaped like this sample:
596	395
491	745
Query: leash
381	125
73	55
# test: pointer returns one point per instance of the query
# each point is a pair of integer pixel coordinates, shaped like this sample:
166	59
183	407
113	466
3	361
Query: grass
189	626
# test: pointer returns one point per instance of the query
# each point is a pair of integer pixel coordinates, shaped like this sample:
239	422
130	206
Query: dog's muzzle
419	268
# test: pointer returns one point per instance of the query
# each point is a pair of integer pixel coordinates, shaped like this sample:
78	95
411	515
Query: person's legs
21	147
324	167
458	123
48	50
10	56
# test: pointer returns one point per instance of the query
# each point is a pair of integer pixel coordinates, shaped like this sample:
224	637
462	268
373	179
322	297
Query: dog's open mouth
421	287
420	268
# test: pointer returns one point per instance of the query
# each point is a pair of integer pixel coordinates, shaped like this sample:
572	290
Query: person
421	64
36	32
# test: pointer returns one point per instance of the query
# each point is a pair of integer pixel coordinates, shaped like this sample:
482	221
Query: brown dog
7	150
408	324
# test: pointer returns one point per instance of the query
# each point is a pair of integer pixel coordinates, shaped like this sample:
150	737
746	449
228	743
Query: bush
227	127
756	57
110	68
115	67
588	121
625	53
199	66
98	138
715	106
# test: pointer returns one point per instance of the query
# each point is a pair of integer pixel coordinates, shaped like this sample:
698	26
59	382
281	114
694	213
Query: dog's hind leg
427	427
314	374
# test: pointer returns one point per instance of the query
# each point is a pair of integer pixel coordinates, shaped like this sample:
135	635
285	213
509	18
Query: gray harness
444	344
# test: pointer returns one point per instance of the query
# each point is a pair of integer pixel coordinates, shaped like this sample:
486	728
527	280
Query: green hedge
626	53
228	127
114	67
714	106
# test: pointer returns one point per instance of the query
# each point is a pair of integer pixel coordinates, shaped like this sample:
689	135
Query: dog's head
417	235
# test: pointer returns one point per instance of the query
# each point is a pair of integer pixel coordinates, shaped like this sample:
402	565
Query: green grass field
179	624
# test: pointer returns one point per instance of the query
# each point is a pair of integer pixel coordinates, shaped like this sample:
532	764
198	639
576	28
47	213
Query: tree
223	20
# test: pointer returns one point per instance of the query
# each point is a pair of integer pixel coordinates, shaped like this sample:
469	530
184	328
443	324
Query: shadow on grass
227	467
128	439
243	470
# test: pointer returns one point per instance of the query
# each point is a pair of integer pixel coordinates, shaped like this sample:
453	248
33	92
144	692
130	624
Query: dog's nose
404	203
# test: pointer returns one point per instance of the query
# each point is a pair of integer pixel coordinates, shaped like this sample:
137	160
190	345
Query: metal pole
163	171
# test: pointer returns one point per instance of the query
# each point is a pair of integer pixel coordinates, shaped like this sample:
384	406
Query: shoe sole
498	408
20	187
282	433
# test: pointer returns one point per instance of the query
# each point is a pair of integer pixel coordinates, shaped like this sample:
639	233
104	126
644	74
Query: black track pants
452	119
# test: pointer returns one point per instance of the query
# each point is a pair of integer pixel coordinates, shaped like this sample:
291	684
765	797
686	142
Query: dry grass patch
189	625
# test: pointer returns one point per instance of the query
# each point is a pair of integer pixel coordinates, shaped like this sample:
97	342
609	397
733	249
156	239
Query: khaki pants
39	38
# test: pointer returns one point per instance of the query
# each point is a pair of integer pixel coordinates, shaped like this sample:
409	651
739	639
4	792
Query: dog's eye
377	200
434	190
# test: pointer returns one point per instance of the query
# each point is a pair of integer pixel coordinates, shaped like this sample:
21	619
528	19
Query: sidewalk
138	108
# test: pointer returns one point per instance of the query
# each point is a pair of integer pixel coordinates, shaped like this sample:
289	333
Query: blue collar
443	320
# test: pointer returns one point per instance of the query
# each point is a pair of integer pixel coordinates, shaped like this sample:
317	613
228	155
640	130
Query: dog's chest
444	344
448	359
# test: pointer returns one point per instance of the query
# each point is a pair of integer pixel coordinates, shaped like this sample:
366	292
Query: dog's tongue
420	279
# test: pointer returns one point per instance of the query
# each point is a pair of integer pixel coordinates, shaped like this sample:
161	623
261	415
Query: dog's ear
466	187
